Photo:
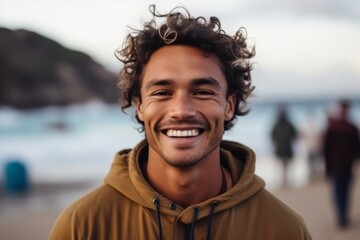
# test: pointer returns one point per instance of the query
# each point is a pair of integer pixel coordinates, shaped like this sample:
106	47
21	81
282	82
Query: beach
314	203
32	215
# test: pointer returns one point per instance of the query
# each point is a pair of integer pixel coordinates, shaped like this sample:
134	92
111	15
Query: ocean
78	142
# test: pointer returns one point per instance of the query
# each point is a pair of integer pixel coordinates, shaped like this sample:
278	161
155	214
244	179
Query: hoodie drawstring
195	215
156	201
196	210
212	210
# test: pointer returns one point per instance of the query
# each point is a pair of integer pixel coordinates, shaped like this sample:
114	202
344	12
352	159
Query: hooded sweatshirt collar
126	177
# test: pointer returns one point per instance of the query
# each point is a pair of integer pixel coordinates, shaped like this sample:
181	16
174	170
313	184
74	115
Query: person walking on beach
311	136
283	135
341	148
188	81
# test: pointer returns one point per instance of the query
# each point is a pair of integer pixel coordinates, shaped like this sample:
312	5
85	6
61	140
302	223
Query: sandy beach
31	216
314	203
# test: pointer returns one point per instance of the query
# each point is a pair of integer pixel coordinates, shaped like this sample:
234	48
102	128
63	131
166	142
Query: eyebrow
206	81
195	82
156	82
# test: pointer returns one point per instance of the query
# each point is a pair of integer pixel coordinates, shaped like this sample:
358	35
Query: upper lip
182	127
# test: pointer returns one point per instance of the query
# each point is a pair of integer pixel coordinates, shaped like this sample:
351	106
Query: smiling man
189	81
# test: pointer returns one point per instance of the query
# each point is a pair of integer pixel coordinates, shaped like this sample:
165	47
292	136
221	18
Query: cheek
149	112
214	114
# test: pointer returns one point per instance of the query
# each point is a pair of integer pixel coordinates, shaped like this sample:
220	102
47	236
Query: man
283	135
341	149
188	81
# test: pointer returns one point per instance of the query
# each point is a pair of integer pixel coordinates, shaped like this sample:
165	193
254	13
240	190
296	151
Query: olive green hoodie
127	207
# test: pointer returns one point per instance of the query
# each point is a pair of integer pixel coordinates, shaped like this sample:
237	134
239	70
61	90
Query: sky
305	48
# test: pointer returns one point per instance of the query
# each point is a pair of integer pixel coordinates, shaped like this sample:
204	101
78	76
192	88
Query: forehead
182	63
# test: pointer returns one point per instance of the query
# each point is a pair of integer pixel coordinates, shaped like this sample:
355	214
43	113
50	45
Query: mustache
186	121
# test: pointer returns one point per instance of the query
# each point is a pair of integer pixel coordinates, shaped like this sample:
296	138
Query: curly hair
183	29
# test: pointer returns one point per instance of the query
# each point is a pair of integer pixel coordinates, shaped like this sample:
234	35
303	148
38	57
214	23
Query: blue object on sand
16	177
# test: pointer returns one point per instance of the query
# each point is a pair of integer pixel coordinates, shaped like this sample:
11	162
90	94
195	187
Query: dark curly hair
183	29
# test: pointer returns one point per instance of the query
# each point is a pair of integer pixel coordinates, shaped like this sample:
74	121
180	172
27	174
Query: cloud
346	9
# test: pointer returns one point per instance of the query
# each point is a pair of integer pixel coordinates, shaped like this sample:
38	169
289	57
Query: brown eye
161	93
203	93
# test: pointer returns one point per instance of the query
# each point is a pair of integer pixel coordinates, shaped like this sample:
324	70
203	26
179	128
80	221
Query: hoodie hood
237	158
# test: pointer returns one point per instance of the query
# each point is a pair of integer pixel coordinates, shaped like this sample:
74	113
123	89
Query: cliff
36	72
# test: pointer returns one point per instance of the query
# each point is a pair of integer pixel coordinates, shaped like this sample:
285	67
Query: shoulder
99	199
284	220
78	217
274	204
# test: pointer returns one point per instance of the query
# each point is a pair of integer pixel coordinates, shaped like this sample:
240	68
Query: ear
139	109
230	107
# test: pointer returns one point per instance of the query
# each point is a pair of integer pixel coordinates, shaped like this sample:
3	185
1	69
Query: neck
187	186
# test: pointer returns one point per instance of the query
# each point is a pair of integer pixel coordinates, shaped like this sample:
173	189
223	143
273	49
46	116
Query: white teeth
182	133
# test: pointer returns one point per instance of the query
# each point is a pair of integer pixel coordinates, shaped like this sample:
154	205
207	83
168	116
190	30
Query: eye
203	93
161	93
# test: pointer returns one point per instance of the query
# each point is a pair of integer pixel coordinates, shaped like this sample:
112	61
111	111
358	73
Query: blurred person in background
311	136
283	135
341	147
188	80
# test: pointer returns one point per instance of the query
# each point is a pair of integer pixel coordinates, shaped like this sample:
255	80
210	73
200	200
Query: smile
183	133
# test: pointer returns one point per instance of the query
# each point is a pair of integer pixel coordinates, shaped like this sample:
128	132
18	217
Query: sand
32	215
314	203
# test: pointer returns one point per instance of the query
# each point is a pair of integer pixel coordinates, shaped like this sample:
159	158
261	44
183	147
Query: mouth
185	133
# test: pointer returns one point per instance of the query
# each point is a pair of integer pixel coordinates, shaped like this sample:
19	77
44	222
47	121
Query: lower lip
183	141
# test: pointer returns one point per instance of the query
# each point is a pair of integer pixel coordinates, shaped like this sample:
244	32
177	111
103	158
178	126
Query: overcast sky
304	47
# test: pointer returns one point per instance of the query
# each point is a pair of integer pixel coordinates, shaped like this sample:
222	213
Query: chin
182	163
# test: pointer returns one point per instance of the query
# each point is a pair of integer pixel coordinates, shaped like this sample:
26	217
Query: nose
182	107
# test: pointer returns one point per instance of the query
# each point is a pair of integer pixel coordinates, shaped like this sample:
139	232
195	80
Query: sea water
78	142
